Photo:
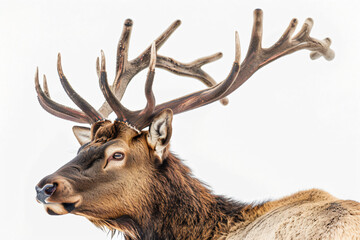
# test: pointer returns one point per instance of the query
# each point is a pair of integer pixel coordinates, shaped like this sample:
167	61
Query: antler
126	70
256	58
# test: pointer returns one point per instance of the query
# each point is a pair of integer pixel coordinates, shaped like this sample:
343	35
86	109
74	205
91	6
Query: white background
294	125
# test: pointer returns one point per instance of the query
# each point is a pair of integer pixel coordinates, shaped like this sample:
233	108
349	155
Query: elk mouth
53	208
59	208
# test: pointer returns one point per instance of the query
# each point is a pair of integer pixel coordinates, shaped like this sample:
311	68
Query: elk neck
182	208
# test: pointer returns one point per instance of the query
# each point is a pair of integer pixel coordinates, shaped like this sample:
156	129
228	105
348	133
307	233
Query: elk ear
160	132
82	134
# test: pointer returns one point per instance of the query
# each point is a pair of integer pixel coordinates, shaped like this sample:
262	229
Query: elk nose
45	192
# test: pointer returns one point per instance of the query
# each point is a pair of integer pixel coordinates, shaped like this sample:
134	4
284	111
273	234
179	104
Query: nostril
49	189
45	192
37	189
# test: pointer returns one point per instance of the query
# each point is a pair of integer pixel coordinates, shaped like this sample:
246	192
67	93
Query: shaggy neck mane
182	208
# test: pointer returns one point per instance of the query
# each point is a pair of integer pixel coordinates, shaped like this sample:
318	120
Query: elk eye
118	156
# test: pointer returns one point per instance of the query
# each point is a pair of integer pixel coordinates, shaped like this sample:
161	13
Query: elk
124	177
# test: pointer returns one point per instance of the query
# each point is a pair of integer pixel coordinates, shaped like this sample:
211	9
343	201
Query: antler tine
46	89
122	53
237	48
79	101
54	108
150	106
97	67
130	68
256	36
152	57
121	112
288	32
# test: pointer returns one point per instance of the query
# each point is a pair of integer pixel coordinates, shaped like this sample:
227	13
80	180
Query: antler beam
256	58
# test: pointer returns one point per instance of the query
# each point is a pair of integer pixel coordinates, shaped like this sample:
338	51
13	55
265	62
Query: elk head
118	169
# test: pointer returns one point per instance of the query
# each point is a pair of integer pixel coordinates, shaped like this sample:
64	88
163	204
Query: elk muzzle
57	195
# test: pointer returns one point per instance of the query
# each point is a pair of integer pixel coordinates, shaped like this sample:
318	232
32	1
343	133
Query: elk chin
55	209
59	208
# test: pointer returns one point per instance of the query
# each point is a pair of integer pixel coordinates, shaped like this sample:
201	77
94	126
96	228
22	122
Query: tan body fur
312	214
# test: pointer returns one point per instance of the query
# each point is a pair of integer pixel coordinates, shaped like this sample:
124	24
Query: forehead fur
106	130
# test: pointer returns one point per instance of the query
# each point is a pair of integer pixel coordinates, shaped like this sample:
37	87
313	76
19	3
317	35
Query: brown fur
151	199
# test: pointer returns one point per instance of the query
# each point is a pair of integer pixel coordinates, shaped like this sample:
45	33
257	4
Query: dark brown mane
123	225
182	207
